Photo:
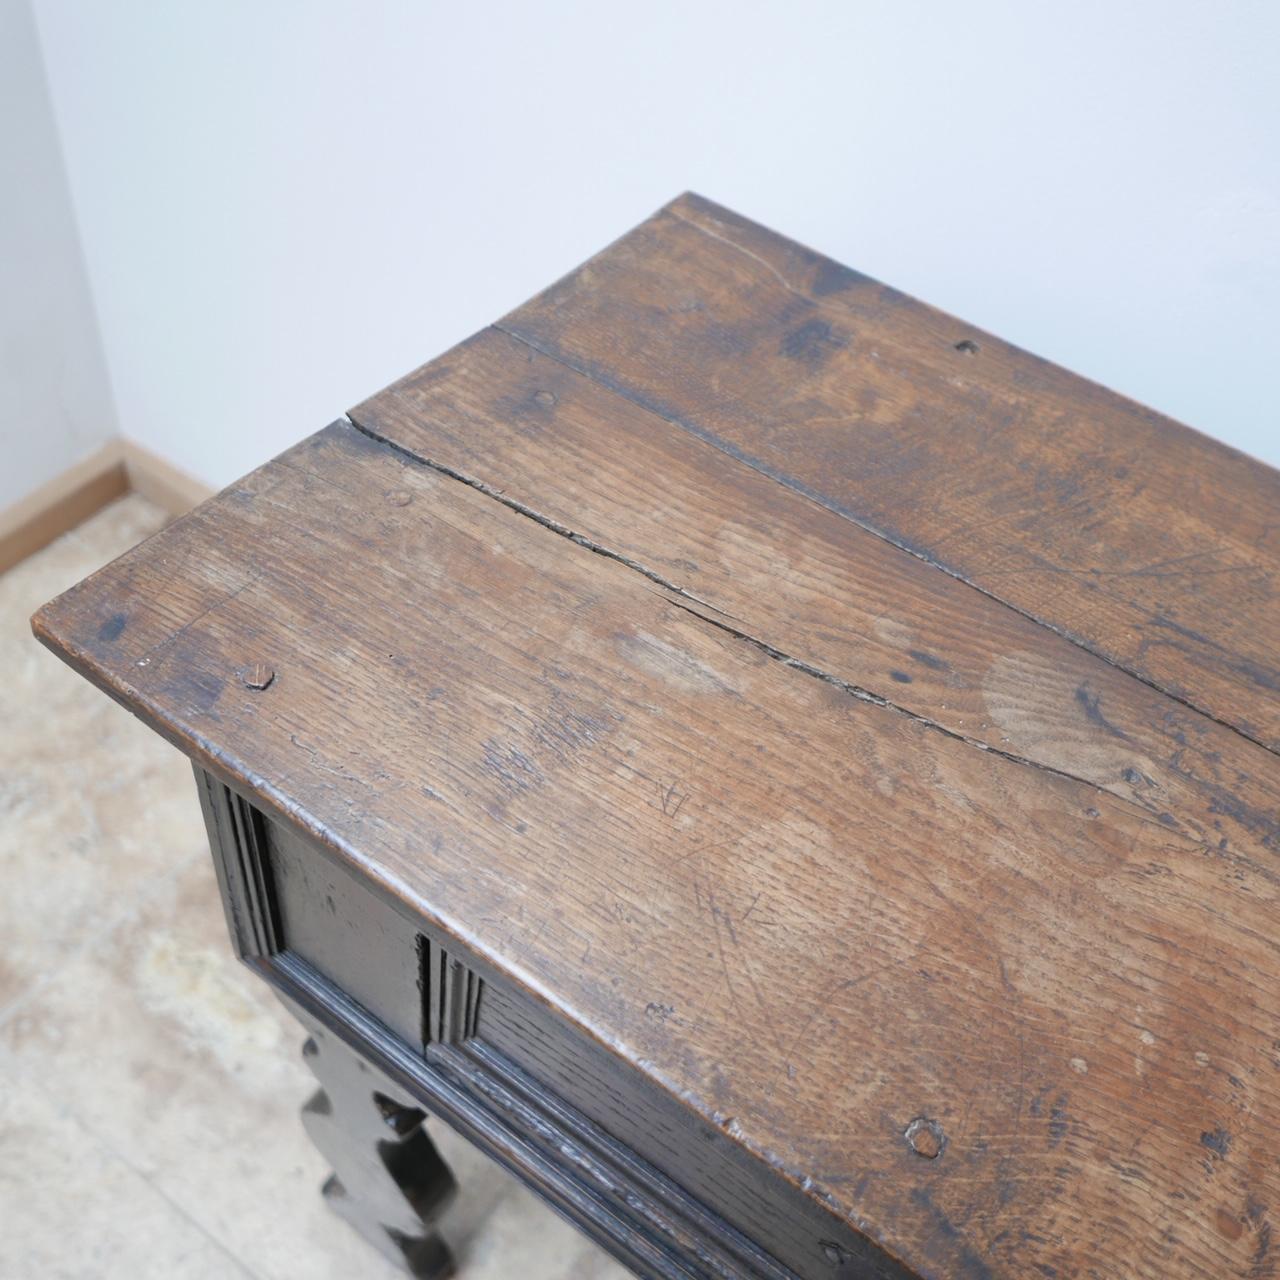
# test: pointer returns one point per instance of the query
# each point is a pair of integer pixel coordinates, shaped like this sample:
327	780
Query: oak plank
759	557
1140	539
622	806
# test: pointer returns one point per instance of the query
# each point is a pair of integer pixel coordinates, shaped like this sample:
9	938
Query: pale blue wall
287	203
55	401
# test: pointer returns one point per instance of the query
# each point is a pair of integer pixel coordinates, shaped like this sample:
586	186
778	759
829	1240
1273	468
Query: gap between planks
680	598
805	491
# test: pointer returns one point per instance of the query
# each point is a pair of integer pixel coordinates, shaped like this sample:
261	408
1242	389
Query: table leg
388	1181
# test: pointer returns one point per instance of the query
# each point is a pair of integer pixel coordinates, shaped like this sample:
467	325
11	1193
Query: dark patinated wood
744	551
1148	543
388	1178
499	1066
637	736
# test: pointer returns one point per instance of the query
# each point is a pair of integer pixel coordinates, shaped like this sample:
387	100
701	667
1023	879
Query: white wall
287	203
55	401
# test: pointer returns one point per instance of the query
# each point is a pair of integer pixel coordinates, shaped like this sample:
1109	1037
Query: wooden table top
862	727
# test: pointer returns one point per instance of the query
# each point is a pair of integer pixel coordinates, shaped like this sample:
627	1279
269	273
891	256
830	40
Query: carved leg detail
388	1181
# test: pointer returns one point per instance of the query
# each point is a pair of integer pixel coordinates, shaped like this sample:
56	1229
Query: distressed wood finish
839	759
565	1114
748	553
388	1179
1146	542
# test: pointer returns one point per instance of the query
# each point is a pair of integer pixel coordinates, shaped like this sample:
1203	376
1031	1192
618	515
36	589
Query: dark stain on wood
113	627
812	342
1216	1140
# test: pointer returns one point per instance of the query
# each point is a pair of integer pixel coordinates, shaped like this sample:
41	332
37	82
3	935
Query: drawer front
666	1192
361	944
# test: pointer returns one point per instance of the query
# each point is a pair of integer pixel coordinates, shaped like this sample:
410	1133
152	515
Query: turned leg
388	1179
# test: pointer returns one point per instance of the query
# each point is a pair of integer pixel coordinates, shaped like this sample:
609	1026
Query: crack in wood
685	600
529	513
797	486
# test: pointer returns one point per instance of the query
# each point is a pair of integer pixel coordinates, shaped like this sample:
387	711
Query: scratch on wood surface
809	492
221	602
675	595
816	303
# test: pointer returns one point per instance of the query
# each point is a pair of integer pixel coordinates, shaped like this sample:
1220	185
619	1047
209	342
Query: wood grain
755	556
1001	1021
1145	542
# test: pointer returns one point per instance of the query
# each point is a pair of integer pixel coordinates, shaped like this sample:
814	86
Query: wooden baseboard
162	482
116	468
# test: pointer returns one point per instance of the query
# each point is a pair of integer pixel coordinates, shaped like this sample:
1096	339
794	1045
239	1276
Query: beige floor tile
172	1052
524	1238
122	1227
94	807
142	1070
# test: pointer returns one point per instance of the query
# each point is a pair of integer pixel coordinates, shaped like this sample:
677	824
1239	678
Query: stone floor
149	1086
